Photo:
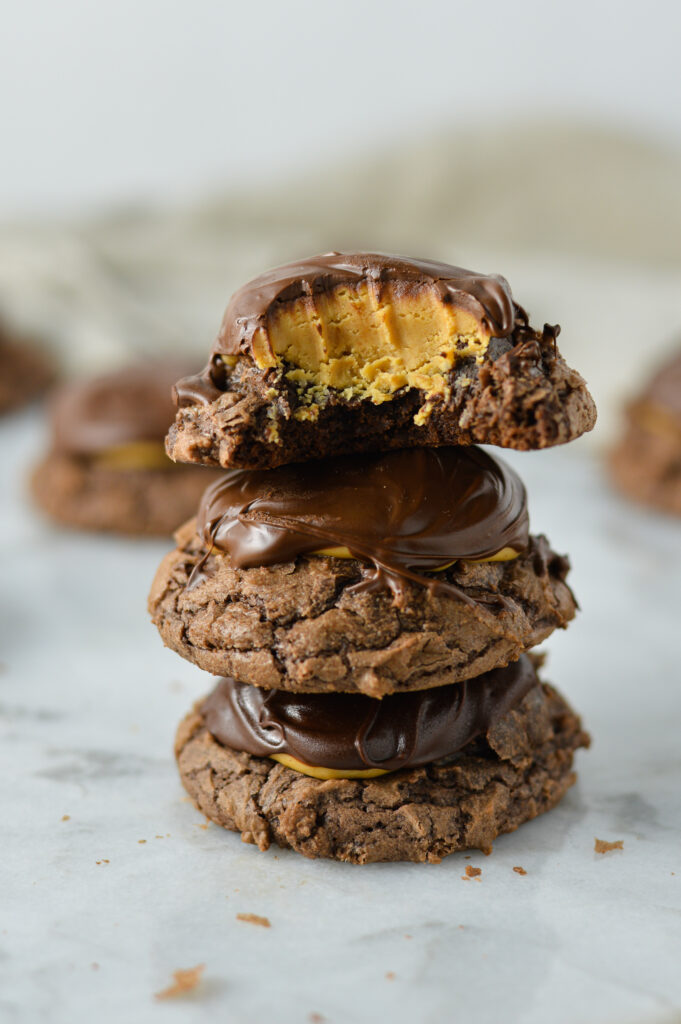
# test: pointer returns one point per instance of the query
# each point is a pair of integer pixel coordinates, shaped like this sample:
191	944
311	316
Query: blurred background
158	154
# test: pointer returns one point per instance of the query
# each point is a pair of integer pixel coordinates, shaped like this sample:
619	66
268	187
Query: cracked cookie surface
519	769
299	626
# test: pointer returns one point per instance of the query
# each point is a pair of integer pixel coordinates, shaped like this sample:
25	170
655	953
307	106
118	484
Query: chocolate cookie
301	626
107	468
646	462
365	352
79	493
520	767
26	370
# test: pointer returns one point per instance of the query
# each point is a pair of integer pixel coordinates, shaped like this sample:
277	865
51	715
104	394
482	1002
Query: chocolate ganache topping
353	732
486	296
129	405
406	512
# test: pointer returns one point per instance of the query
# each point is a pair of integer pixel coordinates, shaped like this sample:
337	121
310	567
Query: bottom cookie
519	769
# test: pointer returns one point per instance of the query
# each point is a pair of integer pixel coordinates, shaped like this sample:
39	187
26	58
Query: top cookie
363	352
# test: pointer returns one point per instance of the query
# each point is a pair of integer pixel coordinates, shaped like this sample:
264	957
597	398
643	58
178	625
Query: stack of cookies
362	577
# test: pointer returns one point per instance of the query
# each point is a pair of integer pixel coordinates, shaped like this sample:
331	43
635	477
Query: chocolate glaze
405	512
354	732
133	404
487	297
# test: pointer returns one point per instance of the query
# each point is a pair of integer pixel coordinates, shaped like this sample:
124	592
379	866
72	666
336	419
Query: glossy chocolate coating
354	732
405	511
133	404
486	296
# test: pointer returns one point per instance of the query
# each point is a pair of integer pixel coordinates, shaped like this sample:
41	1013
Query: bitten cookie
646	462
361	574
519	767
107	469
364	352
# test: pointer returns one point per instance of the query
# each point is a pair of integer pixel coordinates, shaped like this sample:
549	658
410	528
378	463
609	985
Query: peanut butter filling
504	555
135	455
368	343
318	772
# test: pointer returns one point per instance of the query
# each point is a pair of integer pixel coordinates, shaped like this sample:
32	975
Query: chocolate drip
405	512
354	732
133	404
486	296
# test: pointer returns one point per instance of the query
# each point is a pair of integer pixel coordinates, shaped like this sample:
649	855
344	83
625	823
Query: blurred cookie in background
107	468
26	369
646	463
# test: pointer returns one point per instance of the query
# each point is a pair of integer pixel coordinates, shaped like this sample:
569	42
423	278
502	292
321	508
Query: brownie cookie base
646	467
76	492
524	397
297	626
522	768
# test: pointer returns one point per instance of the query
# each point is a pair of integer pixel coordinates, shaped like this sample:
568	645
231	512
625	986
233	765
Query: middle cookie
373	574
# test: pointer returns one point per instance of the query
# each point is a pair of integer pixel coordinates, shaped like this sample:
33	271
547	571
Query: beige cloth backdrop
586	225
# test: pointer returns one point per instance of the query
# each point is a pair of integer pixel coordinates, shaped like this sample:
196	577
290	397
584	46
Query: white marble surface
89	700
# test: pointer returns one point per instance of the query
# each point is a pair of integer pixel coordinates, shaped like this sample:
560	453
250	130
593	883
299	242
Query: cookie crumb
390	975
316	1018
103	861
264	922
520	871
603	846
66	817
185	981
141	841
94	966
471	872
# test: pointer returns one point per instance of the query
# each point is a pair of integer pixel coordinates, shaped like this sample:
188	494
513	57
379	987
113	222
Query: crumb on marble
186	980
141	841
66	817
102	861
264	922
520	871
603	846
316	1018
390	975
471	872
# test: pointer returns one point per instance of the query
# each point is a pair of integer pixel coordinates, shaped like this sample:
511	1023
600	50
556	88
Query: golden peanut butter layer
367	343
